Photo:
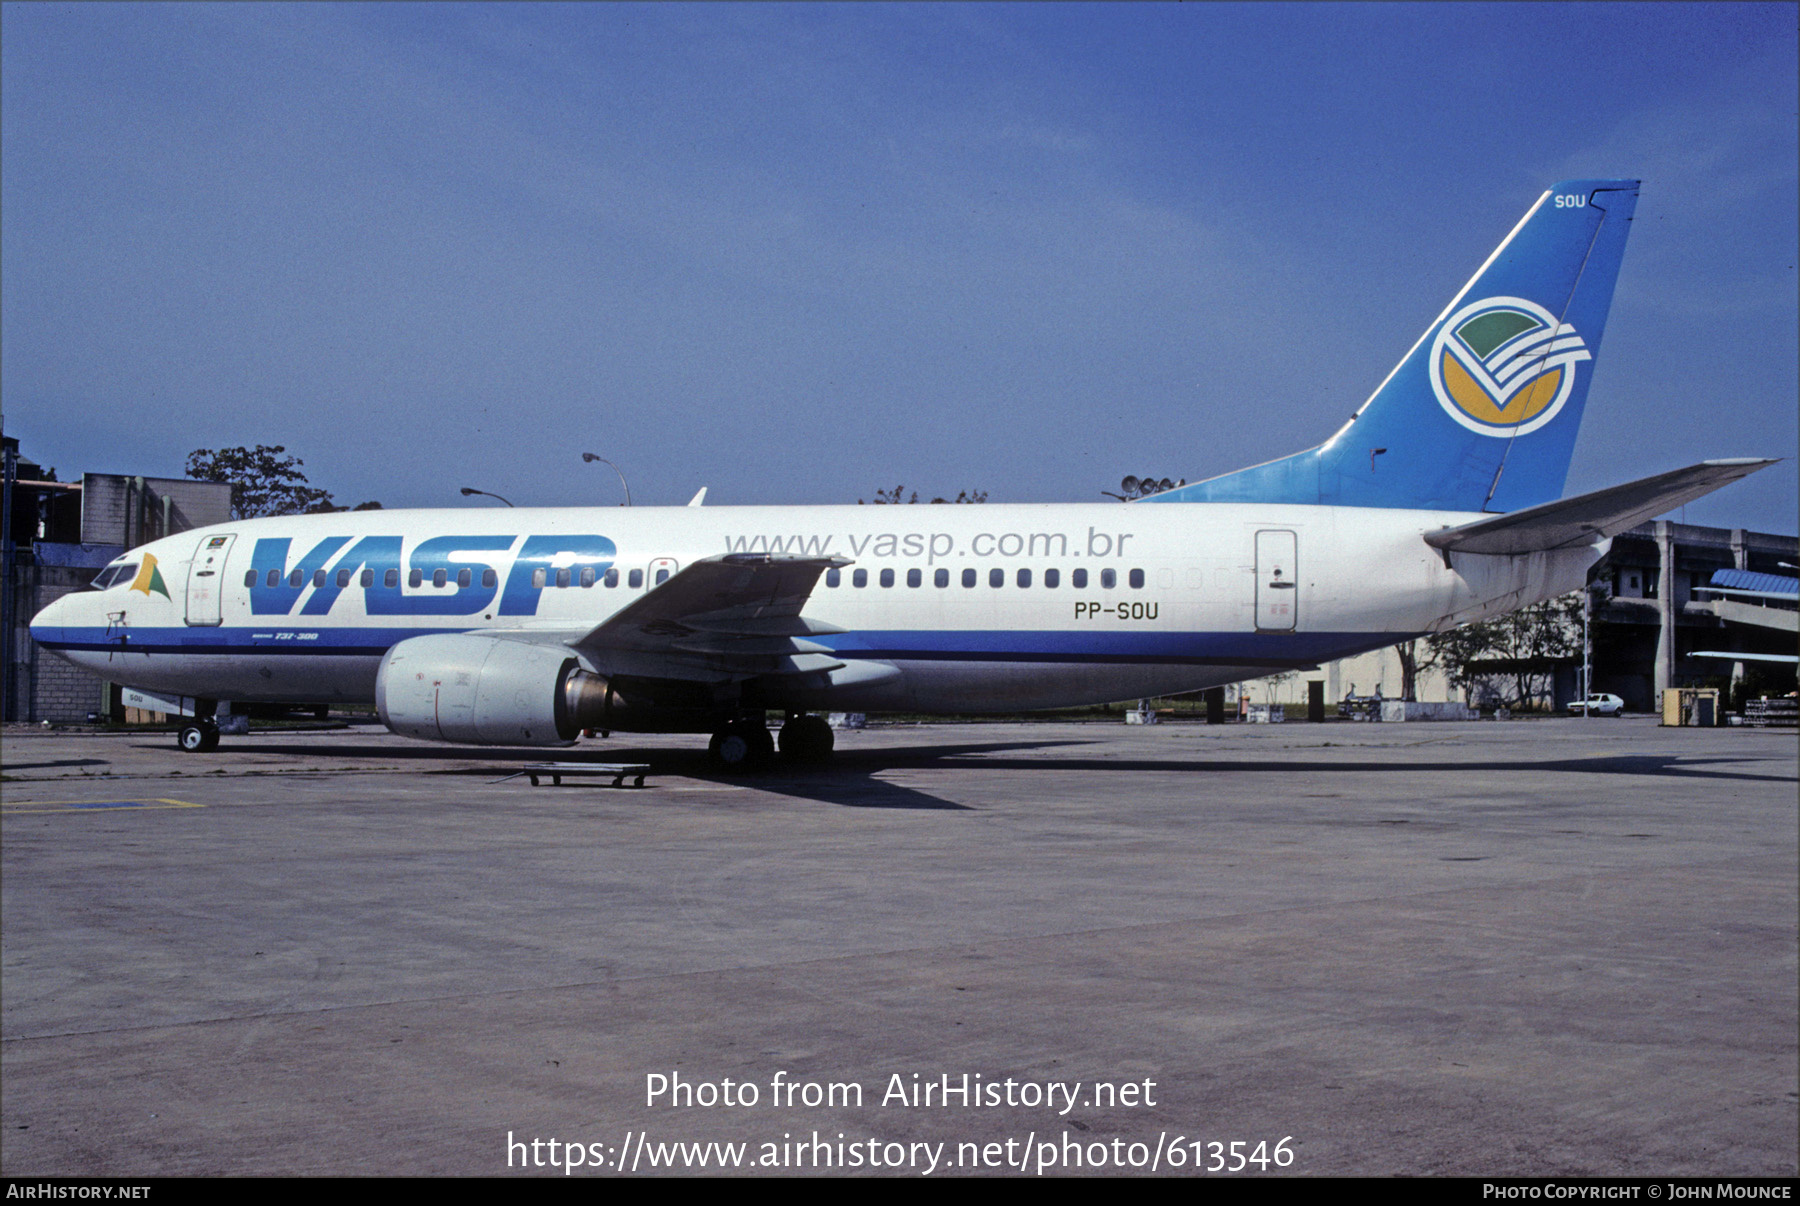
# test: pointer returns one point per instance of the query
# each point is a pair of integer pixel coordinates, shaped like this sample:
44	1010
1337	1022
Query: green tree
899	495
264	481
1408	652
1511	657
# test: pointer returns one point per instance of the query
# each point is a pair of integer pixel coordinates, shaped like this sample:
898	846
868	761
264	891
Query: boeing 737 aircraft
1438	503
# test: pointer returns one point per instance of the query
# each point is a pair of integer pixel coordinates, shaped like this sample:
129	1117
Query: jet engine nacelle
478	690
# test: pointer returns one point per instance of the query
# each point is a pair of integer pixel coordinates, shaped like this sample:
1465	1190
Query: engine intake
480	691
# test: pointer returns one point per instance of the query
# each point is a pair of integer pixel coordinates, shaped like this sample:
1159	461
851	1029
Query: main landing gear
742	745
806	739
745	744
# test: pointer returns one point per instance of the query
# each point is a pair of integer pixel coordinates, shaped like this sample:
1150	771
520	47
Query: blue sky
797	253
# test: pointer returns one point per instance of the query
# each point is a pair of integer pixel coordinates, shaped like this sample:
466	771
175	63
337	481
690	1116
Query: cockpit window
114	575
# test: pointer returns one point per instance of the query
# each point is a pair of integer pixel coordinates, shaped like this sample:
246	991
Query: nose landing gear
199	736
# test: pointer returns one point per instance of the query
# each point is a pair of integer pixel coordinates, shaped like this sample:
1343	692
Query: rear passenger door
1277	581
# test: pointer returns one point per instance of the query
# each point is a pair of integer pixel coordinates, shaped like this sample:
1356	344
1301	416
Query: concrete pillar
1665	609
1740	558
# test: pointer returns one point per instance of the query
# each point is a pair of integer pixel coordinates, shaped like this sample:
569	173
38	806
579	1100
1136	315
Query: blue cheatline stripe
1275	650
1163	648
202	642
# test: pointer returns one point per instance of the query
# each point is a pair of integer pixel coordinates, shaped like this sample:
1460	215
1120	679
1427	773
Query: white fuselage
980	608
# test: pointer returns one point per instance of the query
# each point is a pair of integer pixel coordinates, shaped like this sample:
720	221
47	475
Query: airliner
1438	503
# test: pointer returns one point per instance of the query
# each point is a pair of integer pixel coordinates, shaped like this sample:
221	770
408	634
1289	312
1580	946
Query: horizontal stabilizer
1586	518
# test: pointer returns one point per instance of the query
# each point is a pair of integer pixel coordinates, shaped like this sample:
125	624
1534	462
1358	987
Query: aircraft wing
734	615
1587	518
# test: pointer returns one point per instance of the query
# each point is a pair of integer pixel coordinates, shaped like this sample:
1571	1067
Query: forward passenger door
206	580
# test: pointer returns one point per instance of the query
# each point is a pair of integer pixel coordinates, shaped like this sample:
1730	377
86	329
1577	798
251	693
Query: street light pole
468	490
591	457
1587	653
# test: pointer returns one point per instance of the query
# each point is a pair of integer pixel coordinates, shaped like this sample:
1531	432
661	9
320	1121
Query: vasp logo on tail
1504	366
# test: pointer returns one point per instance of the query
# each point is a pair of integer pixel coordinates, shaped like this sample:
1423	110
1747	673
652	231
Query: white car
1600	705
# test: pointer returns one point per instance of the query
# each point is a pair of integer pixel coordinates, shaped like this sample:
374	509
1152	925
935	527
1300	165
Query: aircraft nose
49	625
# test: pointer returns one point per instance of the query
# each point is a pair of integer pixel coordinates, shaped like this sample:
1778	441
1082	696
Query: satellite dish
1130	484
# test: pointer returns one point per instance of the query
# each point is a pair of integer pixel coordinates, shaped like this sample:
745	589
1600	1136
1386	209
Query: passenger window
996	577
296	579
440	577
587	576
249	579
368	578
833	577
562	578
887	577
941	579
274	577
1024	577
662	576
343	578
859	578
464	577
915	578
1052	579
1078	579
611	579
1108	579
1137	579
416	578
489	579
635	579
319	577
537	578
391	579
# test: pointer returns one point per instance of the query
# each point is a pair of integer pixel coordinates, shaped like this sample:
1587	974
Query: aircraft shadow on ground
19	766
850	779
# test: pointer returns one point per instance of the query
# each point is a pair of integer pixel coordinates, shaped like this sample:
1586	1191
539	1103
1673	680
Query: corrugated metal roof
1773	584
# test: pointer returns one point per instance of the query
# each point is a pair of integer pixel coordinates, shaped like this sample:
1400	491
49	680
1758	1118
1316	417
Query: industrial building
57	536
1657	623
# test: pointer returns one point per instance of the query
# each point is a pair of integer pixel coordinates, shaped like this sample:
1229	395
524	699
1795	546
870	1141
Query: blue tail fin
1481	414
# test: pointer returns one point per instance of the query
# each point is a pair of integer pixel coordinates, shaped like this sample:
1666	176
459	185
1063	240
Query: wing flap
731	616
1587	518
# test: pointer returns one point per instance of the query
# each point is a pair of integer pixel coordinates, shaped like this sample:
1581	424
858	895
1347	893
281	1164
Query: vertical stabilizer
1481	414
